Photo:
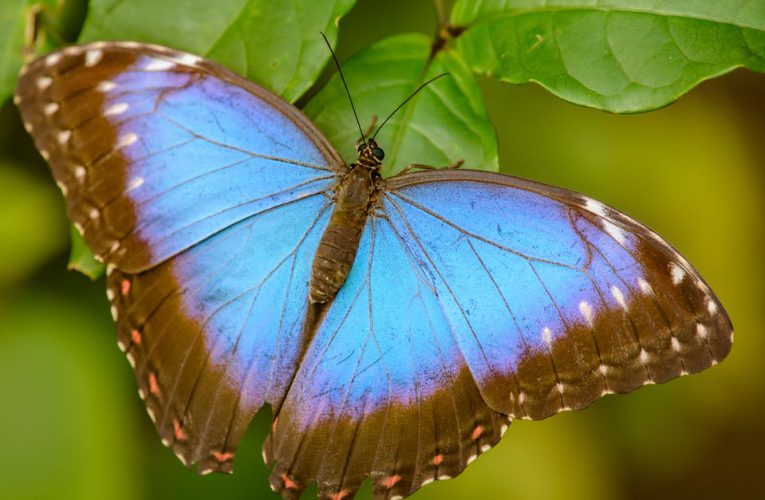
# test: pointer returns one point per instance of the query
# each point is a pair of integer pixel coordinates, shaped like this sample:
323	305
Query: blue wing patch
476	297
206	196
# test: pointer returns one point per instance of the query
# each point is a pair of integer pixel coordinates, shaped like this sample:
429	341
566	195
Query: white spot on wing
116	109
106	86
44	82
188	59
114	312
53	59
701	331
502	430
471	459
547	335
427	481
50	108
159	65
596	207
586	310
79	173
135	183
126	140
444	477
615	231
485	448
677	273
63	136
93	57
93	214
644	285
711	306
603	369
643	356
675	344
618	296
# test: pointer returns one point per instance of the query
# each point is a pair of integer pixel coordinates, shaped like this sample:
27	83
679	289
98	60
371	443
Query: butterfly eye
378	153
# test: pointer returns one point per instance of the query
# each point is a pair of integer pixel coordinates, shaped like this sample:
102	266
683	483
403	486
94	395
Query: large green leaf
617	55
444	123
275	43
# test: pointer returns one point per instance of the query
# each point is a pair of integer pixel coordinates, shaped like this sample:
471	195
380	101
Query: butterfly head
370	154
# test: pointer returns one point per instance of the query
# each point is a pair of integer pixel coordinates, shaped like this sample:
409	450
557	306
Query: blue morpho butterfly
228	223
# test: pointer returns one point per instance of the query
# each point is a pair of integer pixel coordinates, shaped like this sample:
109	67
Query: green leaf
444	123
12	19
58	21
275	43
618	55
81	258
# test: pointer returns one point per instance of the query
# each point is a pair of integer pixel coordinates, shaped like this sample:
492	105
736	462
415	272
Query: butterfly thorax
354	195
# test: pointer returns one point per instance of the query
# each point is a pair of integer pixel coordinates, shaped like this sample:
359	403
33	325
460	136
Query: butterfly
396	325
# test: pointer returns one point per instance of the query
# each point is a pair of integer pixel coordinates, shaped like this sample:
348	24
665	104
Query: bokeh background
72	425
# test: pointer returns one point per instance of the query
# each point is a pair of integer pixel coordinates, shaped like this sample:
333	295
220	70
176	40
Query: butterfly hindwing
206	196
475	296
383	390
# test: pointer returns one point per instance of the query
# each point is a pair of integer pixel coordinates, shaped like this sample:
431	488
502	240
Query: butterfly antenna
342	77
406	101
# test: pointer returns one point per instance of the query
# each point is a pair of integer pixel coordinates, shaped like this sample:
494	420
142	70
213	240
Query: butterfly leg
412	166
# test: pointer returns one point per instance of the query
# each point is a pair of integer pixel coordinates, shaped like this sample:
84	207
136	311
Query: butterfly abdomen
340	241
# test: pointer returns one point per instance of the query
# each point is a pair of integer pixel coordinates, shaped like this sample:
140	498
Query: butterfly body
355	195
453	301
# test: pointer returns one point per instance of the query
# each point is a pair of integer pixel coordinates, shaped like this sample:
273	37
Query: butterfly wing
476	297
206	196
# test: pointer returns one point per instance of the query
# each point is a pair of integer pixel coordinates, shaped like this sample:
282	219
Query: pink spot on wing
135	336
390	481
178	431
125	287
288	483
477	433
339	495
437	459
222	456
153	386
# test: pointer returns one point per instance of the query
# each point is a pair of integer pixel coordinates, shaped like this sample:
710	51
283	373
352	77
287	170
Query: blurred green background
72	425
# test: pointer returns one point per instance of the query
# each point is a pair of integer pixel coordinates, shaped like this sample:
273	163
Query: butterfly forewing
205	196
157	150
